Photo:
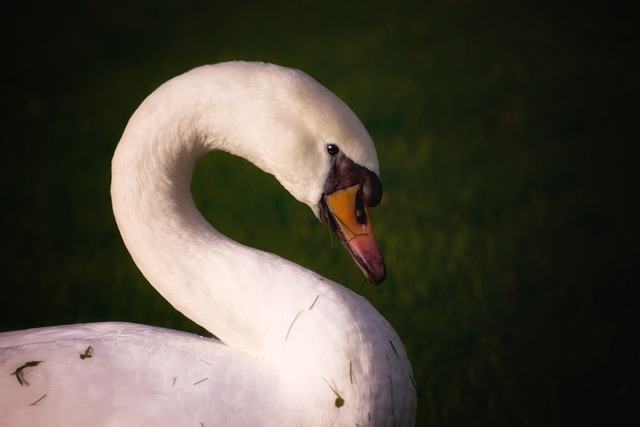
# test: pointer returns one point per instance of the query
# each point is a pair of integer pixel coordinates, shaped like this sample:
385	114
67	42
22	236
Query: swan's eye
332	149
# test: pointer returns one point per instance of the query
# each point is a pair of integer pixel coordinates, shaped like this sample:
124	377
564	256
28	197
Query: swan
292	348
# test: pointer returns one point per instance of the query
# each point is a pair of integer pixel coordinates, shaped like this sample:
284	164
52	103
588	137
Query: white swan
298	349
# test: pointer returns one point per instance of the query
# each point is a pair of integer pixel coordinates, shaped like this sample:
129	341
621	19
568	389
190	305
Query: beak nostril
361	214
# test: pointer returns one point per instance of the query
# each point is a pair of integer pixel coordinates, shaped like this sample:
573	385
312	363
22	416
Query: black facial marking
345	173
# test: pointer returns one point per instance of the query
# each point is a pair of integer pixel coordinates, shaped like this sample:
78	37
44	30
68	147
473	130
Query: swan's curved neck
229	289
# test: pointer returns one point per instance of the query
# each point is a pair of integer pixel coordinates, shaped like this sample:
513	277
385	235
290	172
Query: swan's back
97	374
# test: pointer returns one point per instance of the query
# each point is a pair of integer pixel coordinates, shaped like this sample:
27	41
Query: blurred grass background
508	139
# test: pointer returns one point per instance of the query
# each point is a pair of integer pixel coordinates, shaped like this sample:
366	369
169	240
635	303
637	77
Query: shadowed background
508	140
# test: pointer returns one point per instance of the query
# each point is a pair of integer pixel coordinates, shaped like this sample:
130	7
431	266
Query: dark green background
508	138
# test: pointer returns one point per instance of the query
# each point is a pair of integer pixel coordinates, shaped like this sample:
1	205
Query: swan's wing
120	374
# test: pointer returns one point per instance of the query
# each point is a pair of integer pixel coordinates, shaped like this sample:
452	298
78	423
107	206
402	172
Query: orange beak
352	224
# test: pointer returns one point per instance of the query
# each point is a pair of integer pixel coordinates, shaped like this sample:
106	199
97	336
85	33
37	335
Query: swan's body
298	349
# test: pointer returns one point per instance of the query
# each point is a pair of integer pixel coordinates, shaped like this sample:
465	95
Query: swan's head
326	159
312	142
291	126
